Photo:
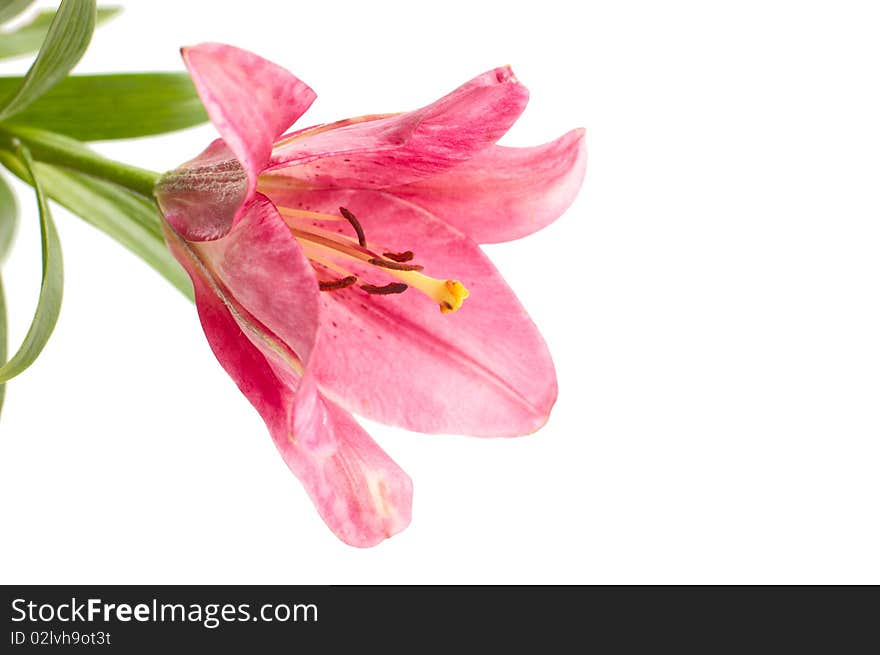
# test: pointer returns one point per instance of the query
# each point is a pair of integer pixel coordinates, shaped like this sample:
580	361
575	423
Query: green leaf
8	218
127	217
9	9
129	105
66	41
30	36
4	338
51	286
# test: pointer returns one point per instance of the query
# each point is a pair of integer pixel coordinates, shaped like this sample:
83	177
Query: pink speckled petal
250	101
505	193
483	370
393	150
361	494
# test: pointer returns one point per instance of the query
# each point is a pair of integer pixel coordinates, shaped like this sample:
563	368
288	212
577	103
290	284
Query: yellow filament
302	213
314	255
331	244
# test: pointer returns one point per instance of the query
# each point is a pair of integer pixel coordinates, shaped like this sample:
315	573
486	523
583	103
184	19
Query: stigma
347	261
448	294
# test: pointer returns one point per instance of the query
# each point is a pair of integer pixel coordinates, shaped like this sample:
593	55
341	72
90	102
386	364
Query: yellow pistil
457	292
449	294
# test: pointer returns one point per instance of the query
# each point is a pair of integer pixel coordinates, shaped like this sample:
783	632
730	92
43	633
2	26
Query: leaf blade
130	105
4	339
101	204
51	286
9	9
28	38
124	216
66	42
8	218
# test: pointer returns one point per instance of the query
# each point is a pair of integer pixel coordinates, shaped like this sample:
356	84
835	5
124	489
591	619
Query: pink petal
393	150
262	266
503	193
483	370
200	198
361	494
250	101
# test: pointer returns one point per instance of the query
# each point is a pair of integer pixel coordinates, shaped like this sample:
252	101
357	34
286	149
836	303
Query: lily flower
331	267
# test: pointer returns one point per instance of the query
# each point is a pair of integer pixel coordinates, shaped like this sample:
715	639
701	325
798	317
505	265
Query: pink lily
319	259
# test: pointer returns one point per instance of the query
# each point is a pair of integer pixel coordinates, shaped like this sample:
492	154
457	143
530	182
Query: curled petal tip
393	499
542	403
505	74
506	193
544	418
378	508
579	135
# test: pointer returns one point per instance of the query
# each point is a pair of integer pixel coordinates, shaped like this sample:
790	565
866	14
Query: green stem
59	150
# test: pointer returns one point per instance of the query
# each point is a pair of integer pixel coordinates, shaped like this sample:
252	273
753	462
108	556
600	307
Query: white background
710	301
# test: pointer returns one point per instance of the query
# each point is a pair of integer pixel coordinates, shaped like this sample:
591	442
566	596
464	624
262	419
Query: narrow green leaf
129	105
131	220
29	37
66	41
51	286
9	9
4	338
8	218
128	218
26	38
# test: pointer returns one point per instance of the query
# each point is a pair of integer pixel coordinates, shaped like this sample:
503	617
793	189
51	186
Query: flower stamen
397	266
334	285
394	287
324	247
347	215
399	256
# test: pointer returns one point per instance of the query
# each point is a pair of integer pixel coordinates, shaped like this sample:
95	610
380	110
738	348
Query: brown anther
399	256
347	215
394	287
385	263
333	285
